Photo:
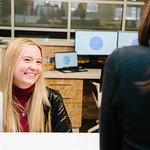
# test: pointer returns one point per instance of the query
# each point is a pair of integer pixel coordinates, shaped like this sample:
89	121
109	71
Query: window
5	13
133	14
59	19
41	14
96	16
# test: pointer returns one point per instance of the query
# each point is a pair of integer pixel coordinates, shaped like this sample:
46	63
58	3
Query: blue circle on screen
66	60
135	42
96	43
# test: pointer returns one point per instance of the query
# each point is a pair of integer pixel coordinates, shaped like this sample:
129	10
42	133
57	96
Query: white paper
1	112
40	141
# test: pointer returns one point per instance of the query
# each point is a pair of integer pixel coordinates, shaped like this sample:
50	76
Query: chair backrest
97	98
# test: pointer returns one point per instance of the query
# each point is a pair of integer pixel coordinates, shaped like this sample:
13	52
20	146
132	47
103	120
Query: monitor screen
95	42
65	60
127	39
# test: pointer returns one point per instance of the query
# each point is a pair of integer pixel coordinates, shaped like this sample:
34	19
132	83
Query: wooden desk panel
72	93
70	85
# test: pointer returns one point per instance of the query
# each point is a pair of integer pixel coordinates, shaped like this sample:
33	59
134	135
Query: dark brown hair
144	39
144	29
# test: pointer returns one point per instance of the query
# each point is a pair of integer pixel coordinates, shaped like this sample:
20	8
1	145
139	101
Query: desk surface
90	74
54	141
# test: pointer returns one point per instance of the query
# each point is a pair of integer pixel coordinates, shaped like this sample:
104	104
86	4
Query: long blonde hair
11	118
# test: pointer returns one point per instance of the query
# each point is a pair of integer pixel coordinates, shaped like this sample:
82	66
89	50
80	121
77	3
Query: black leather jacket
59	118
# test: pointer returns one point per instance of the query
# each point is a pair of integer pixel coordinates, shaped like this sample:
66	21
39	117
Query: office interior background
58	20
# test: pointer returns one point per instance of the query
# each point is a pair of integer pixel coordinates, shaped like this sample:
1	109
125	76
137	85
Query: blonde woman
28	106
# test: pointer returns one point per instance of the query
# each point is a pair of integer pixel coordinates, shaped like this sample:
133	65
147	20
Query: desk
71	87
90	74
46	141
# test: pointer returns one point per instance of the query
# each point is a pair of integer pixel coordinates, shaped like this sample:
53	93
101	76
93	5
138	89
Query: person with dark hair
55	14
125	108
80	11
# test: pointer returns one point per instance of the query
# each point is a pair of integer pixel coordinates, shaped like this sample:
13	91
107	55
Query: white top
54	141
1	111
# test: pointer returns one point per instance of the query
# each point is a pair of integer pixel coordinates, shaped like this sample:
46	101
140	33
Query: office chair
97	98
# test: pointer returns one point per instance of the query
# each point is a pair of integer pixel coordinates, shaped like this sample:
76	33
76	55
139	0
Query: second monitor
100	43
95	46
127	39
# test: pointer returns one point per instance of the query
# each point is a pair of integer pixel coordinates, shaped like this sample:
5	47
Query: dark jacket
59	118
125	109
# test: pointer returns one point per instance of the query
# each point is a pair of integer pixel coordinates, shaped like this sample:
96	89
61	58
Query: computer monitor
66	60
127	39
101	43
95	46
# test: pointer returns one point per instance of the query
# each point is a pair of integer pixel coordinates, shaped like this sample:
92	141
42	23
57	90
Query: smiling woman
29	67
28	106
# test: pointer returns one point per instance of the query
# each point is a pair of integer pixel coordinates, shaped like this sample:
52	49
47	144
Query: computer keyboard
73	70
